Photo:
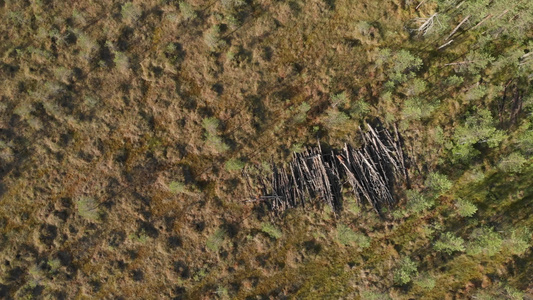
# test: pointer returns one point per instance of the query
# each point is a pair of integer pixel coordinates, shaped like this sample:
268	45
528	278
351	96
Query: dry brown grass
97	103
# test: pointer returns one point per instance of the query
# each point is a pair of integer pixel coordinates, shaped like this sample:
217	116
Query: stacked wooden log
313	175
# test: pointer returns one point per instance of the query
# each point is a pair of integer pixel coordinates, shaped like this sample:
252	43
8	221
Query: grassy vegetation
124	128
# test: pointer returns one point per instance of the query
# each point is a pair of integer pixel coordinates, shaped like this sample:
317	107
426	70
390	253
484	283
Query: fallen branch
420	4
444	45
457	27
481	22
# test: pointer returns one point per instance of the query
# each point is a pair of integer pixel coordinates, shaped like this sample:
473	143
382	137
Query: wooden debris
313	175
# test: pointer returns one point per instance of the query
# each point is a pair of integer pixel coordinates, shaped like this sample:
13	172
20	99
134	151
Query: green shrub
217	143
513	163
352	206
177	187
513	293
54	264
412	109
216	239
234	165
438	183
211	124
477	61
364	27
374	295
338	99
232	4
139	237
271	230
403	65
301	112
525	142
335	118
212	139
121	61
88	208
478	128
519	241
360	108
405	271
454	80
212	38
476	93
130	13
465	208
425	281
417	87
416	202
346	236
484	241
449	243
187	10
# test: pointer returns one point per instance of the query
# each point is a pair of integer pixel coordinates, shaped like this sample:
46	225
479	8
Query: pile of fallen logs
371	172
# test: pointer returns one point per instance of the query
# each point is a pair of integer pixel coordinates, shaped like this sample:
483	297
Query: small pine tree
450	243
519	241
513	163
465	208
405	271
484	241
438	183
417	202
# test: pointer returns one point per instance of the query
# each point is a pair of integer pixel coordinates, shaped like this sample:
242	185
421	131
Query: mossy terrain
126	126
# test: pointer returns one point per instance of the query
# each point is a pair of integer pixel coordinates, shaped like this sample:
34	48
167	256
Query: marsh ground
125	127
